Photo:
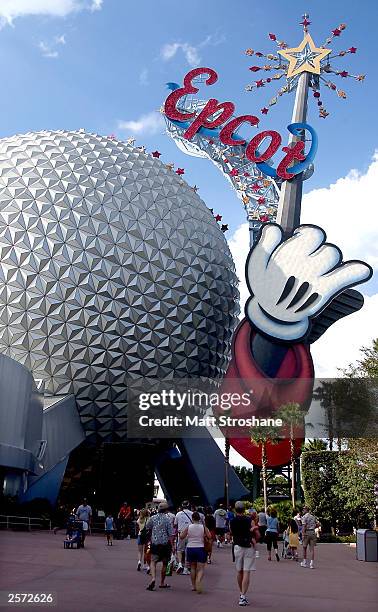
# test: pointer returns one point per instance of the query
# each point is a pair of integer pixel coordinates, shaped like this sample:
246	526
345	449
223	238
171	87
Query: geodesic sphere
110	266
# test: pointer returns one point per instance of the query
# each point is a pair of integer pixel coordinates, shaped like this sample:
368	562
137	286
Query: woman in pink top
195	550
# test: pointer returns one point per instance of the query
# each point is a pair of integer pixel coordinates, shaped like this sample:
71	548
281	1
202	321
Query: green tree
355	480
262	436
246	476
319	476
314	445
292	415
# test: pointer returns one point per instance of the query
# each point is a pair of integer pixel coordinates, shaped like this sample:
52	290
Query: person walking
124	518
293	532
182	520
262	523
161	544
245	534
196	533
298	520
210	524
84	514
271	534
309	524
220	524
142	540
109	528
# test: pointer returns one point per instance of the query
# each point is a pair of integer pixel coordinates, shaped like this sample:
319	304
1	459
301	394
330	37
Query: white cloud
148	124
13	9
50	49
190	52
96	5
46	50
143	77
346	212
340	344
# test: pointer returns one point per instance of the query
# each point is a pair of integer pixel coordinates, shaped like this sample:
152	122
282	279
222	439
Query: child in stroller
73	534
286	551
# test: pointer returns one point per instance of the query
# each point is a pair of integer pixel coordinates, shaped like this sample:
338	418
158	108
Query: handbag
207	542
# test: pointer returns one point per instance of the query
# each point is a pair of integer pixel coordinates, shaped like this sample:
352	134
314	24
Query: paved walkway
102	578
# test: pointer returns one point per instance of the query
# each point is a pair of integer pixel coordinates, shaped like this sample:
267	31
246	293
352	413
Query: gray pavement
105	578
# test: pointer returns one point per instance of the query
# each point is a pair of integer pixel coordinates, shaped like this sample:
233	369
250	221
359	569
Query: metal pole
226	473
289	206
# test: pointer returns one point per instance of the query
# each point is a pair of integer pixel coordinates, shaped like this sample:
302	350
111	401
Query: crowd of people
183	541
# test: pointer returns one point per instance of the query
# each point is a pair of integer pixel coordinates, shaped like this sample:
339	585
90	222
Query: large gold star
305	58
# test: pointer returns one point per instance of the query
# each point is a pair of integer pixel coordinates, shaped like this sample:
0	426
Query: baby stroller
286	551
74	534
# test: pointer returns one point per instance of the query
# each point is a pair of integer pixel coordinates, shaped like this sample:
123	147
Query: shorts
309	539
271	539
196	555
161	552
245	558
142	540
181	544
220	531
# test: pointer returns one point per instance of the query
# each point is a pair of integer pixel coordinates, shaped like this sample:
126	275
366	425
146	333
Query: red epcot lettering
226	133
257	140
170	104
292	154
212	106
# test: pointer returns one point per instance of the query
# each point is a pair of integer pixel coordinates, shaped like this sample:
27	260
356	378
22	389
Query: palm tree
292	415
260	436
315	445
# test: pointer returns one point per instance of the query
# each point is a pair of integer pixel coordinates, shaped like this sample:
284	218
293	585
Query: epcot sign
215	114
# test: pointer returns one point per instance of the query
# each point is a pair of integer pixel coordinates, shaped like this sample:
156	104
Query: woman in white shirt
196	533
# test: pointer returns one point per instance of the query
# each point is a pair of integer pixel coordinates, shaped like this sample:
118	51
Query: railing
24	522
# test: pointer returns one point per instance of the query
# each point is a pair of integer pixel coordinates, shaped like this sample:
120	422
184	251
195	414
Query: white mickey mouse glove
293	280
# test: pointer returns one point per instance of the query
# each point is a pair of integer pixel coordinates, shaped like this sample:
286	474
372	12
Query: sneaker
243	601
186	572
277	557
303	563
218	544
257	554
139	566
180	569
312	565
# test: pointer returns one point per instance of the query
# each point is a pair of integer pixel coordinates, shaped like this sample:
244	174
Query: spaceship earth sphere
111	267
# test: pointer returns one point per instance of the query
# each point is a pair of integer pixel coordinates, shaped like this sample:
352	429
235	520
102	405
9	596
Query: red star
260	83
218	218
255	187
352	49
305	22
336	32
155	153
261	200
264	218
344	73
234	172
224	228
265	110
254	68
272	36
246	174
180	171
